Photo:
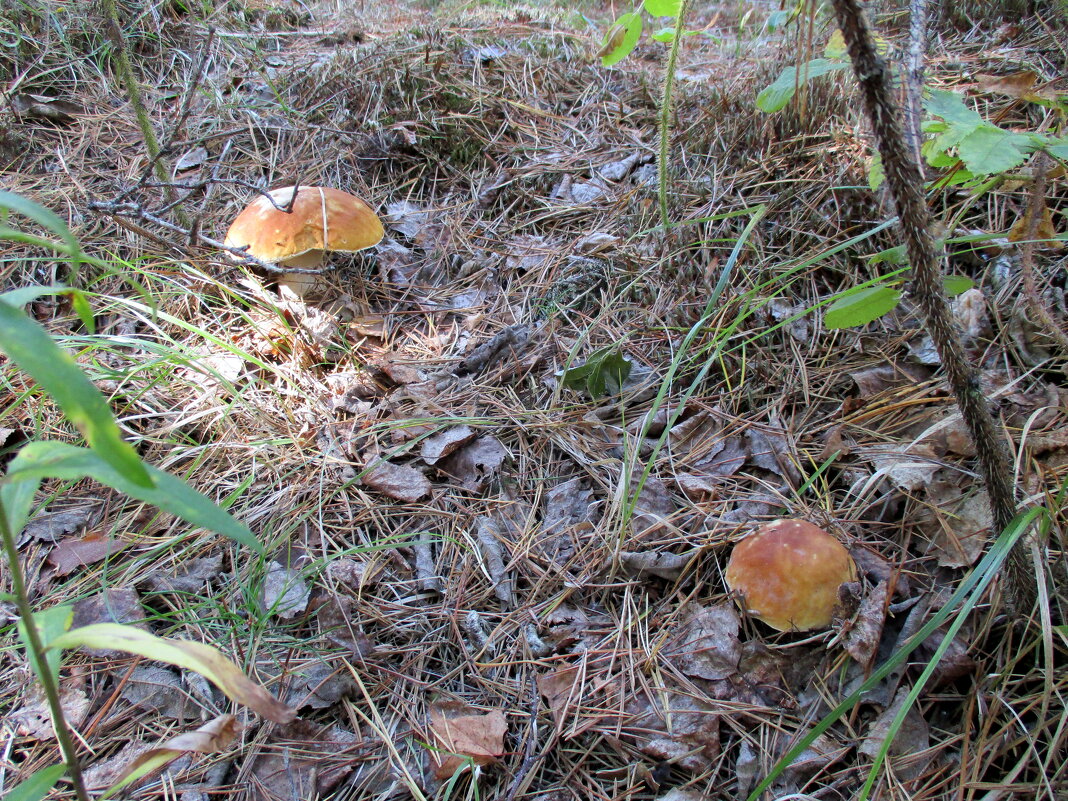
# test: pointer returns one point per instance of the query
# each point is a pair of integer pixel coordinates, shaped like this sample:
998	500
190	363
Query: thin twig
905	181
1035	214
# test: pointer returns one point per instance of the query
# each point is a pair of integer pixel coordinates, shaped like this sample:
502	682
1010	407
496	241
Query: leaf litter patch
415	436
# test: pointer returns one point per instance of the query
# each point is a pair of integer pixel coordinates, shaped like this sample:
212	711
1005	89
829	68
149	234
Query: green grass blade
56	372
45	218
38	785
71	463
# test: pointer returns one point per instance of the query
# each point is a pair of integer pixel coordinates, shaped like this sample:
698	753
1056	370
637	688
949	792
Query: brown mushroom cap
788	573
321	219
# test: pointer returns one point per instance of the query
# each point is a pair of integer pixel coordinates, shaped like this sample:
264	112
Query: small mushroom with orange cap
788	573
298	231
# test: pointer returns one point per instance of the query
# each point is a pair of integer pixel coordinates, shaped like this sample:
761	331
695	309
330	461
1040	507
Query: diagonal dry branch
905	181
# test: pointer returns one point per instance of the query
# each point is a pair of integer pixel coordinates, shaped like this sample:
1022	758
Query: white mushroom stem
300	284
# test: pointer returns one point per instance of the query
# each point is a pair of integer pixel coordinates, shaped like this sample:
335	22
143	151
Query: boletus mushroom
298	232
787	574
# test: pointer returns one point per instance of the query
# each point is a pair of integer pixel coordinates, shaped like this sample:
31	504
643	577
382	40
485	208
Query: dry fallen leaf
190	159
476	464
705	643
668	725
1046	233
284	592
159	690
440	445
459	736
214	736
664	564
33	718
116	605
909	753
303	760
318	686
53	526
69	555
42	107
396	481
190	577
567	515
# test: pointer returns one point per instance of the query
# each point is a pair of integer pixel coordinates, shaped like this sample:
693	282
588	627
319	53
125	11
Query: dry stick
133	89
906	186
914	75
1035	215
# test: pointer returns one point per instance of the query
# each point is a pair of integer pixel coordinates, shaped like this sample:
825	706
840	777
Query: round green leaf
663	8
956	284
621	38
861	307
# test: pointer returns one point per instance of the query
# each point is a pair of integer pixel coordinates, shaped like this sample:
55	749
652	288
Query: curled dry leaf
862	640
490	540
476	464
440	445
396	481
195	656
212	737
460	737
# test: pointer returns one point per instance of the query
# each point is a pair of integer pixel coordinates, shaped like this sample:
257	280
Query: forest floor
488	574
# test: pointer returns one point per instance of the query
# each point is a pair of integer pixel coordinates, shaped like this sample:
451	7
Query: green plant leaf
662	8
613	371
605	369
50	624
861	307
895	255
777	19
1058	148
953	110
775	97
876	175
43	217
38	785
68	462
196	656
956	284
621	39
32	349
664	35
836	46
989	150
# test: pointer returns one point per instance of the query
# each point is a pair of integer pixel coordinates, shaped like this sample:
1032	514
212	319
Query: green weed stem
37	648
666	106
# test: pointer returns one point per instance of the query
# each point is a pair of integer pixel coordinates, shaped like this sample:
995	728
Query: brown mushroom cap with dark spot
788	573
321	219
